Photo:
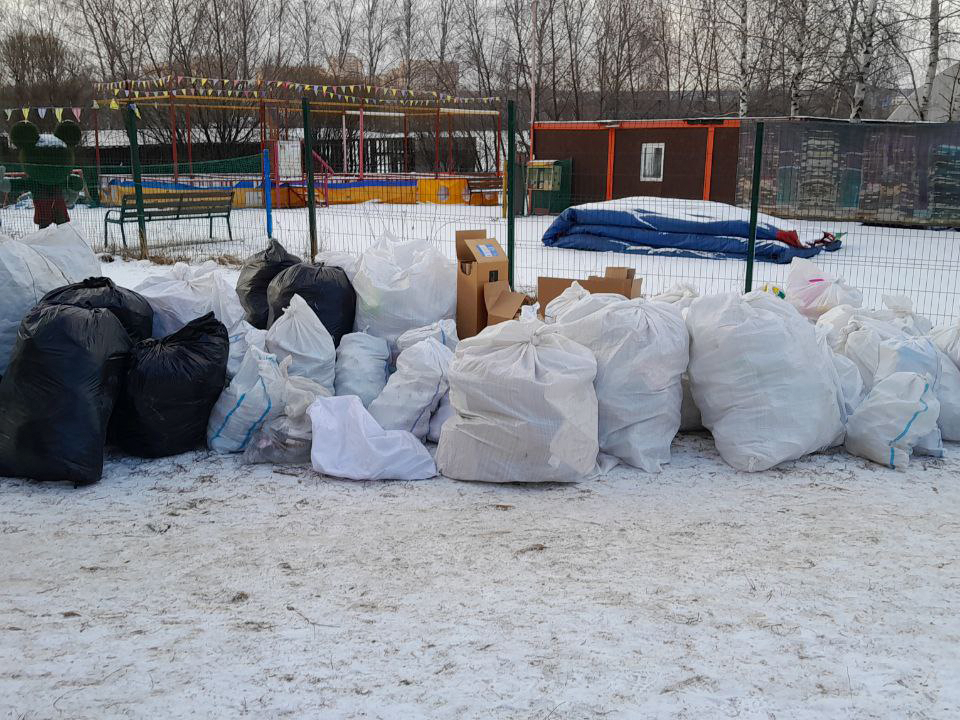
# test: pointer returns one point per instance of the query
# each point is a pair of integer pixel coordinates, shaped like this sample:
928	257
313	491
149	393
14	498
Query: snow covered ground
196	586
200	587
923	264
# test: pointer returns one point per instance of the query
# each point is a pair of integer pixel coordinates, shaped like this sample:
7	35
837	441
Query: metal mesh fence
885	191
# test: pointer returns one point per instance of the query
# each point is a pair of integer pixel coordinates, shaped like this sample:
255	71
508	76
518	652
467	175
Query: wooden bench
484	184
180	205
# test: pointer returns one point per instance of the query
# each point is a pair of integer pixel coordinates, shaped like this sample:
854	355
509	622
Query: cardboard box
480	261
619	280
502	303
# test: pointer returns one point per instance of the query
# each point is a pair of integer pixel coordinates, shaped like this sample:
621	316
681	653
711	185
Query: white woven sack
403	284
443	330
361	366
348	443
642	349
526	407
947	338
413	392
897	414
299	334
765	389
255	396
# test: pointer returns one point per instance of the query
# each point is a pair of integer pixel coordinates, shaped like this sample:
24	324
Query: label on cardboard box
488	250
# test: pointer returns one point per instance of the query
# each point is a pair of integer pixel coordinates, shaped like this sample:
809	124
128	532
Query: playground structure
380	154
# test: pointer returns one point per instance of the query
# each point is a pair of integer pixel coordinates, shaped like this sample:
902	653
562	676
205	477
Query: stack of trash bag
414	391
325	289
896	419
130	308
255	275
299	335
813	291
349	443
401	285
170	386
29	268
362	366
525	404
680	295
556	307
765	388
642	349
58	393
443	330
287	438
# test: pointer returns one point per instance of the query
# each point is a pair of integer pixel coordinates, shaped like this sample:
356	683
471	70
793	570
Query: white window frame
646	148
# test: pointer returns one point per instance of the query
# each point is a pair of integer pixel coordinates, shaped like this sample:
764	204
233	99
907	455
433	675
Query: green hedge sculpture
48	161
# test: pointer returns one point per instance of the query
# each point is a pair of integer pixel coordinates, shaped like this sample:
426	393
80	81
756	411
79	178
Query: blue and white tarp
683	228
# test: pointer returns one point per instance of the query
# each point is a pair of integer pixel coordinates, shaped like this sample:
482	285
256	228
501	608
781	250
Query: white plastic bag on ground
443	330
813	291
186	293
679	294
899	411
947	338
526	407
765	389
63	246
362	366
348	443
413	392
286	440
28	271
254	397
403	284
299	334
556	307
642	349
443	413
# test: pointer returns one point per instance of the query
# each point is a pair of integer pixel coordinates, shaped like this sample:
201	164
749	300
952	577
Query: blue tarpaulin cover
684	228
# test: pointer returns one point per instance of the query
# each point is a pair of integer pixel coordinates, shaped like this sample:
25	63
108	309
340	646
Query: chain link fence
875	203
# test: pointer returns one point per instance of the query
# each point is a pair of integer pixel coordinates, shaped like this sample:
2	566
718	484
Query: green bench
183	205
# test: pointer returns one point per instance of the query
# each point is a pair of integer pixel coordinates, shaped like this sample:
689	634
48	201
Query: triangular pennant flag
8	113
41	112
58	113
203	81
114	105
26	112
136	110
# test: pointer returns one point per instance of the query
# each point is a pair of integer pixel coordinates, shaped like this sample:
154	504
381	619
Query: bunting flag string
233	87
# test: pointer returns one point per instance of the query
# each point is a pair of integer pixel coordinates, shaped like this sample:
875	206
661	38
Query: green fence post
511	185
754	203
311	193
137	178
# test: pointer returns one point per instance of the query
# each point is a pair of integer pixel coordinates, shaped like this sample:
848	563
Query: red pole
497	143
436	144
189	144
173	140
406	159
449	144
361	142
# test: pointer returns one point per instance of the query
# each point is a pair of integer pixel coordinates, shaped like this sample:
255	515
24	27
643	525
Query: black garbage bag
130	308
327	290
58	393
255	275
169	388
